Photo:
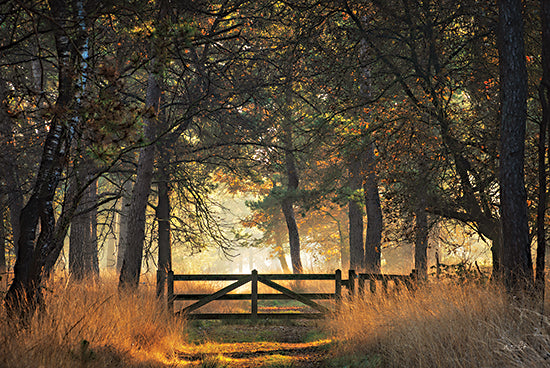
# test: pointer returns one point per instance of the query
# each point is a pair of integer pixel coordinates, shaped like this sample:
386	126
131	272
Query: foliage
247	83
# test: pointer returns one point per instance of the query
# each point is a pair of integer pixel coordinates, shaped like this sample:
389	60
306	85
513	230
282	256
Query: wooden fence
373	279
254	278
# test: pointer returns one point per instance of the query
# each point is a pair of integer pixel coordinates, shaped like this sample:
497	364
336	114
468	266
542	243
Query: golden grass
92	325
442	325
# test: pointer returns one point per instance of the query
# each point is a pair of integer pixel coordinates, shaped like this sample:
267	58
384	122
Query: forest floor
264	344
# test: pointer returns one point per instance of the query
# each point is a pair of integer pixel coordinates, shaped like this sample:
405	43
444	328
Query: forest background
360	134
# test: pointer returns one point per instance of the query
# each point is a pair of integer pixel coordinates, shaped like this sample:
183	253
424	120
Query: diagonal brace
293	295
216	295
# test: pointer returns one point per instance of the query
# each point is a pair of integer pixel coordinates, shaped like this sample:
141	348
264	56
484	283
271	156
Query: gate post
338	285
170	292
254	296
338	288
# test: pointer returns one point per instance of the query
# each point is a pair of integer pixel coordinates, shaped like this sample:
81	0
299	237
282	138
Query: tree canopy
353	126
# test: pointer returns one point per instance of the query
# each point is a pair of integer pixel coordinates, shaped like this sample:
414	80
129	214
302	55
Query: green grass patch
355	361
278	361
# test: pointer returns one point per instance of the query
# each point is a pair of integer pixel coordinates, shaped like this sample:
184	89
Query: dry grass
93	326
442	325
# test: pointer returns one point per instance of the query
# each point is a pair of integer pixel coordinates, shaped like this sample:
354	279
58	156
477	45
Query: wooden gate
284	293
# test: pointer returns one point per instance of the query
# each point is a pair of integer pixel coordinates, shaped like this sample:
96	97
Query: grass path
286	344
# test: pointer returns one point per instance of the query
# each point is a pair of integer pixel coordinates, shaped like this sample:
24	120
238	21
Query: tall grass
442	325
90	325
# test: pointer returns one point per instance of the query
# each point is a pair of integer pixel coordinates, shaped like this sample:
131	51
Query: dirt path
292	344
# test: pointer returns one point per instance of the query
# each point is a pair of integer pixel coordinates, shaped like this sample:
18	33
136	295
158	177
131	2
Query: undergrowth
440	325
84	324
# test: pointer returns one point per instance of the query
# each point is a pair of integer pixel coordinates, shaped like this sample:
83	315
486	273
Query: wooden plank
300	276
218	277
276	276
293	295
380	276
263	316
216	295
321	296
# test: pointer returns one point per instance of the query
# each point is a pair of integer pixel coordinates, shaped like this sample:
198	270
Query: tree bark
93	250
3	239
78	238
123	216
83	252
288	211
544	94
24	294
163	218
133	254
288	200
421	240
373	241
516	255
356	249
9	166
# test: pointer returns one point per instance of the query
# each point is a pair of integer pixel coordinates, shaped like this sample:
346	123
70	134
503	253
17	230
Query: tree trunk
9	166
291	192
78	238
163	218
373	241
288	204
3	239
544	94
344	254
356	250
133	254
110	252
280	251
123	223
24	294
83	253
421	240
92	252
516	255
496	250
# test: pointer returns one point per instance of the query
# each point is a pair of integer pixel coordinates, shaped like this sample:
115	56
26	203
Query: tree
3	238
544	95
163	217
355	210
422	52
516	255
24	294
